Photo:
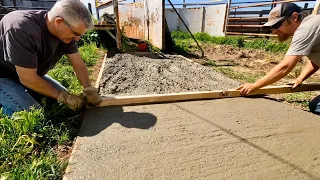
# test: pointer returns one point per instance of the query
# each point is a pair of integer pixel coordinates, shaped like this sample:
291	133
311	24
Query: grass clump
28	139
245	77
236	41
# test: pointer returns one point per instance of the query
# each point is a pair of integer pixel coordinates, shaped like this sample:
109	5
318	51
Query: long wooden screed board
201	95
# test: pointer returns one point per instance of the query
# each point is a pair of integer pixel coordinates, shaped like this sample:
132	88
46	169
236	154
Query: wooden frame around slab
187	96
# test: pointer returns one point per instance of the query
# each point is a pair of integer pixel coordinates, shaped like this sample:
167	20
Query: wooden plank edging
201	95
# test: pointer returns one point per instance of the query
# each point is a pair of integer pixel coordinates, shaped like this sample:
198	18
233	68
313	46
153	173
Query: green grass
245	77
300	98
183	40
27	139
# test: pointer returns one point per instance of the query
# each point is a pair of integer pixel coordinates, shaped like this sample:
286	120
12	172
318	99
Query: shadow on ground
99	119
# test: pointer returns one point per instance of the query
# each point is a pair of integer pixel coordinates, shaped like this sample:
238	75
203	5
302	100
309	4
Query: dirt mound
150	74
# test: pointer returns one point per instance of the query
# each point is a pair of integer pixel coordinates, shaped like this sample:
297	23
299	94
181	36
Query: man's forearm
309	69
82	74
274	75
41	86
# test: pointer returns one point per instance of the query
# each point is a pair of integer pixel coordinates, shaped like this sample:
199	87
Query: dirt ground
154	74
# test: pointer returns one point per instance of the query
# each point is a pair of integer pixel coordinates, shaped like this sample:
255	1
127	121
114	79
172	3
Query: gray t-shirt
306	39
25	41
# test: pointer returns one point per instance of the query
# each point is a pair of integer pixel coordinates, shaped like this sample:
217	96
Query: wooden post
226	20
316	8
116	12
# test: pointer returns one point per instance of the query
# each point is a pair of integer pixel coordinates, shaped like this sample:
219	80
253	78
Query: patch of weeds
205	37
66	76
27	139
180	35
89	54
210	63
236	41
245	77
299	98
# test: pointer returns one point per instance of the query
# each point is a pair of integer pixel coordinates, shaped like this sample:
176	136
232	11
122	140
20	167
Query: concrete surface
238	138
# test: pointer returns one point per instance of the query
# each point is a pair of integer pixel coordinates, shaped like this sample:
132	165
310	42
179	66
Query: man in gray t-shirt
31	43
286	20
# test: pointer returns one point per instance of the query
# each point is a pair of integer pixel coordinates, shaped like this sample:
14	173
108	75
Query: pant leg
314	105
14	97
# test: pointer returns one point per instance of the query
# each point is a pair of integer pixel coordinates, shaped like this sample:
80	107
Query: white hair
73	12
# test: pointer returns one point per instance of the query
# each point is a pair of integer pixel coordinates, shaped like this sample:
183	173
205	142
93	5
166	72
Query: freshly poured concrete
237	138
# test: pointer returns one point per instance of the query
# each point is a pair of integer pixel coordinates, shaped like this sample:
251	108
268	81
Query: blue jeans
15	97
314	105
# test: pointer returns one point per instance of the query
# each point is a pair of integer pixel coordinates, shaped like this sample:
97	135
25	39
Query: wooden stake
116	12
316	8
187	96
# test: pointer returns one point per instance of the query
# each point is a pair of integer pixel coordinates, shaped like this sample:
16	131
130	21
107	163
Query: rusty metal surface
132	20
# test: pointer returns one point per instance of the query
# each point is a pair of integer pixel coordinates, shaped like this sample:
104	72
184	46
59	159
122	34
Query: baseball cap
280	12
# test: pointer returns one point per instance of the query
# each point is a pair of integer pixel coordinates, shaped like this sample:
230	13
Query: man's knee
314	105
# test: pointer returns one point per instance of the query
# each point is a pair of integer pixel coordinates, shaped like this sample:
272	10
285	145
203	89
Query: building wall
209	19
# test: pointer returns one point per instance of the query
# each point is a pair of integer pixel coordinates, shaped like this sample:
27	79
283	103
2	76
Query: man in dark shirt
31	43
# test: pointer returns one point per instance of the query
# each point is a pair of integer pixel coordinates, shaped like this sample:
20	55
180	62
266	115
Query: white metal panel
192	18
155	24
215	19
172	19
106	9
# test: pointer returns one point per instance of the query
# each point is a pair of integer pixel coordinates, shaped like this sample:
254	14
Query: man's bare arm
309	69
29	78
279	71
80	69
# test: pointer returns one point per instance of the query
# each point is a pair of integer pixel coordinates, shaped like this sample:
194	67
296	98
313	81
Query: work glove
72	101
93	99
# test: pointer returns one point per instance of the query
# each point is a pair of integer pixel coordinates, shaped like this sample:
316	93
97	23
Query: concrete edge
76	144
70	161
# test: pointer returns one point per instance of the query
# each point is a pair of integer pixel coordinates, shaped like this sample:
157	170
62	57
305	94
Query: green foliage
89	38
27	139
300	98
180	35
235	41
205	37
25	142
245	77
89	54
66	76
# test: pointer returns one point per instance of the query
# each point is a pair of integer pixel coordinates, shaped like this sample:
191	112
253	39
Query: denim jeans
314	105
15	97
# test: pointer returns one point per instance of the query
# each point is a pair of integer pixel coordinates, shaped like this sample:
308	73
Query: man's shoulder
25	20
311	20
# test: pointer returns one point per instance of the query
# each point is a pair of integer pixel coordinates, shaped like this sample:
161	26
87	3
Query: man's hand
93	98
72	101
246	89
295	83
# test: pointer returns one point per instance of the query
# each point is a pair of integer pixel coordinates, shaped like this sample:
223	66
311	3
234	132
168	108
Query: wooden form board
173	97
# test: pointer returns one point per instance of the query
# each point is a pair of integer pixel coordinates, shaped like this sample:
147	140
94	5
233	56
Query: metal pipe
187	28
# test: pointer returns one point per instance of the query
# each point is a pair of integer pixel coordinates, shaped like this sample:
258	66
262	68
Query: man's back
26	42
